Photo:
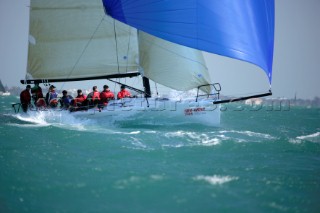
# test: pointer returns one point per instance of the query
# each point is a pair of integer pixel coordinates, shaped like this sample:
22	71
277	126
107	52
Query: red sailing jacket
123	93
25	97
105	96
80	99
93	97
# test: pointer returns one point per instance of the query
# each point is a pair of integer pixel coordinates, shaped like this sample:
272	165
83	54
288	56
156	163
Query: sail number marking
192	111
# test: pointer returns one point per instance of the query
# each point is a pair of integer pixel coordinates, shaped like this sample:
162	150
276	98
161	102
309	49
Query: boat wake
61	119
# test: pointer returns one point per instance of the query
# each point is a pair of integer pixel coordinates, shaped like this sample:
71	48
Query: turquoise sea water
256	161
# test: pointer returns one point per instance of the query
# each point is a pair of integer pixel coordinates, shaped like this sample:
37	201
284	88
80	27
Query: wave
246	136
304	137
215	179
195	138
250	133
315	138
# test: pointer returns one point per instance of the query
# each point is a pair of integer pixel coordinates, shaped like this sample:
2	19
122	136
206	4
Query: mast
146	85
145	80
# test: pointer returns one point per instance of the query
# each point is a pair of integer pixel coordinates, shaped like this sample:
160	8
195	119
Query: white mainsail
75	39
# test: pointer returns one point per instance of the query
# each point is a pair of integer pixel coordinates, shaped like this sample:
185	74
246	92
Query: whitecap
215	179
303	137
295	141
211	142
315	137
249	133
194	138
133	133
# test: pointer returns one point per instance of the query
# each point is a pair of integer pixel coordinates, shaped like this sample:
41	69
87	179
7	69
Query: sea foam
215	179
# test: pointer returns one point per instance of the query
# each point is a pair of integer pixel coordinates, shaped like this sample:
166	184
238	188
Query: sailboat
3	91
157	41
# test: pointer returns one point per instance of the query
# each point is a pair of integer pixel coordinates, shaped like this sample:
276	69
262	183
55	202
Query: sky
296	68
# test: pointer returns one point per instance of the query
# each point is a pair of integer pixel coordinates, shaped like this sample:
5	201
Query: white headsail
172	65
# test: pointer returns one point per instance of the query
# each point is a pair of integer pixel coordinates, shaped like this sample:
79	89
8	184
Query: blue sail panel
242	30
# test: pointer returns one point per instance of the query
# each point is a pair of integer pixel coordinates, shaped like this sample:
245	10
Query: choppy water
256	161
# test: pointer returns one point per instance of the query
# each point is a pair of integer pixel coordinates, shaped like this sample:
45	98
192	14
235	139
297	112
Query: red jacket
94	95
79	99
25	97
123	93
105	96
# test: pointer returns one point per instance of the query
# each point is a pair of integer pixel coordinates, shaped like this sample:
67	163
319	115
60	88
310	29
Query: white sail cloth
74	39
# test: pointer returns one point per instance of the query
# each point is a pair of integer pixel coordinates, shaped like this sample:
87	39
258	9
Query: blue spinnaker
240	29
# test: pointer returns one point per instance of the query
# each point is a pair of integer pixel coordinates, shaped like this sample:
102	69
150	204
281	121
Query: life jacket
123	93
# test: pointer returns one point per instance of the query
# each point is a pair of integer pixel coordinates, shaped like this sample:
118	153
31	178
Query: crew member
65	100
93	97
25	98
123	93
51	97
80	99
37	95
106	95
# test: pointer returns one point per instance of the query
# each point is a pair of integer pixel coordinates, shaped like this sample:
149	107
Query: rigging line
116	41
128	50
83	51
156	86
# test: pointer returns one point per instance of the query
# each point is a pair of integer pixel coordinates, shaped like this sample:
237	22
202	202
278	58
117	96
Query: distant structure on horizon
3	91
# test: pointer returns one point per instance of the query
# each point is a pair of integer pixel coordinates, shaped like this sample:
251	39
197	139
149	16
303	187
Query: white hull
202	112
